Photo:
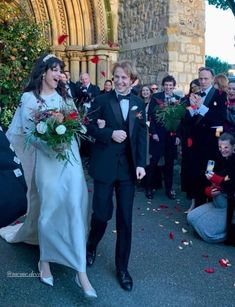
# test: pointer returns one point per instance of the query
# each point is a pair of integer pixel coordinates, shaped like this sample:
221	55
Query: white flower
134	108
173	99
83	129
60	129
41	127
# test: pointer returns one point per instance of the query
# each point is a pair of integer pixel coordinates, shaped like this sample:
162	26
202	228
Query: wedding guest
204	116
210	220
71	86
118	158
229	125
146	94
136	86
186	149
163	143
86	91
221	84
57	198
108	86
154	88
12	205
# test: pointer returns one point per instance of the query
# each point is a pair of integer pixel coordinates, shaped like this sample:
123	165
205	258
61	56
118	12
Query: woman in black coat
13	189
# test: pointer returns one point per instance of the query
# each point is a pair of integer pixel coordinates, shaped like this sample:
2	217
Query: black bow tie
120	97
202	94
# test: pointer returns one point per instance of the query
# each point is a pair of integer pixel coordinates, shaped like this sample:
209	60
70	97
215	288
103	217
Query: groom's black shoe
90	257
125	280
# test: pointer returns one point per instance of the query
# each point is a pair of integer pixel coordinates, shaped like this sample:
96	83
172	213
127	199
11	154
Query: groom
118	158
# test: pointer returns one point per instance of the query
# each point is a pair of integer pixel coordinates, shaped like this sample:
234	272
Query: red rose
72	116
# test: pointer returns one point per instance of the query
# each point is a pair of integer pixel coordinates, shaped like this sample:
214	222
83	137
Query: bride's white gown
57	195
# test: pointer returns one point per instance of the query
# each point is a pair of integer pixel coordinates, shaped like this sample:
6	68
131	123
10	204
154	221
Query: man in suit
86	91
162	143
117	159
204	117
70	85
85	95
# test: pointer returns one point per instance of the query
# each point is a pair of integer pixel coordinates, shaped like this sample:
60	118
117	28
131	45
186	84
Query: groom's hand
119	136
140	172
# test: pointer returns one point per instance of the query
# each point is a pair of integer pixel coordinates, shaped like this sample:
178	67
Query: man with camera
86	91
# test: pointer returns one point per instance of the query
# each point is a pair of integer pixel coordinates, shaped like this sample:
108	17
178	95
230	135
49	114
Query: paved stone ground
166	271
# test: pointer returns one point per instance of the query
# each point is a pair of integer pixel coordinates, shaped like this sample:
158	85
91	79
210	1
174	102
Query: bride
57	192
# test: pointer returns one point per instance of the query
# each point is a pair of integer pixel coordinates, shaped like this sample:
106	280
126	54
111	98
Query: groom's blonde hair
128	67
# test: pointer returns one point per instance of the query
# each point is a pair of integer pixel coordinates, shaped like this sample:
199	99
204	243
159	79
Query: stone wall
163	37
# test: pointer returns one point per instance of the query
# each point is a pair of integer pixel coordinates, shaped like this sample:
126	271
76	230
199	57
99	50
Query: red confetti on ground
62	38
224	262
103	73
95	59
162	206
209	270
171	235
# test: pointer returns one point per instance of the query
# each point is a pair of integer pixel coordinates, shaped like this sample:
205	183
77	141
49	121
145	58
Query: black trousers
168	170
102	213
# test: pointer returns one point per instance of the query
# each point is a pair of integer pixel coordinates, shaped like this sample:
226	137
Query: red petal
162	206
95	59
189	142
112	44
223	262
103	73
209	270
62	38
171	235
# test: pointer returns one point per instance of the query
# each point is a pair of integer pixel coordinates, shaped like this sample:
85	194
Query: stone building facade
161	36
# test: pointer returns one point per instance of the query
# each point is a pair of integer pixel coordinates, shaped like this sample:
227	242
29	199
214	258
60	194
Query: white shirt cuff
202	110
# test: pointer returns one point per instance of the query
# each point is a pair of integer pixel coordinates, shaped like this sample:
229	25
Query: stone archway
89	26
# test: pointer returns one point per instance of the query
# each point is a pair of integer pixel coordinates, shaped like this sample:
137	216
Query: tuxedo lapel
209	96
116	109
132	115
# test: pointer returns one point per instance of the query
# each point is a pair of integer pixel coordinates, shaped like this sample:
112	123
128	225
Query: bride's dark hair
45	62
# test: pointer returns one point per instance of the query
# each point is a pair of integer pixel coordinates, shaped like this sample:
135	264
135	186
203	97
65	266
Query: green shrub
22	41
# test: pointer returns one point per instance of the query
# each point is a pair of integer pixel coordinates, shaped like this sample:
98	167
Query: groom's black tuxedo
113	166
105	152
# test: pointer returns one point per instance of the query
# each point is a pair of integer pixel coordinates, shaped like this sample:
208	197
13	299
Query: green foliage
221	4
170	114
217	65
224	4
22	41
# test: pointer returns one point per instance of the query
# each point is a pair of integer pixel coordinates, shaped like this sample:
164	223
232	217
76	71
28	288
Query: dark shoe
149	194
171	194
90	257
125	280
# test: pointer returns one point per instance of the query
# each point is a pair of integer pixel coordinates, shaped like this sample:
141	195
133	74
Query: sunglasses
154	88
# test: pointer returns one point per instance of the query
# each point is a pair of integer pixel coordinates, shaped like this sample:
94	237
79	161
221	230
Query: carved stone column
74	55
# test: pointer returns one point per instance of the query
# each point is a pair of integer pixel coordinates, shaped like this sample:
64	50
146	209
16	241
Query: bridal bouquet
58	128
170	113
